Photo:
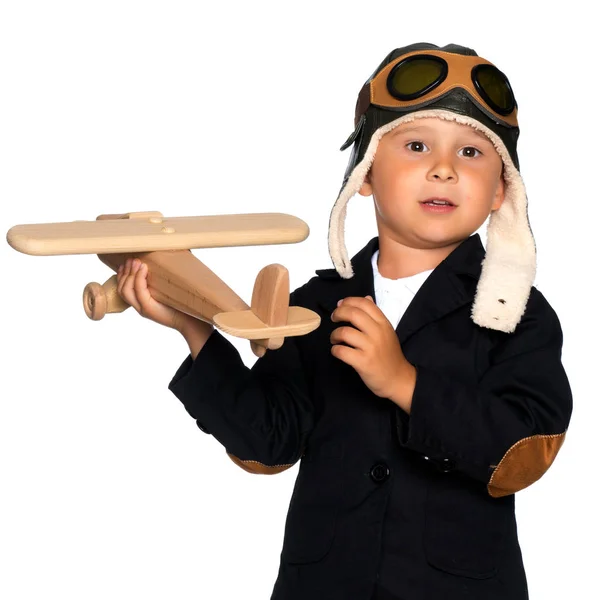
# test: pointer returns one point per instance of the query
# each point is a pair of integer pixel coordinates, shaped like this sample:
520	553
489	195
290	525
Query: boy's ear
366	189
500	192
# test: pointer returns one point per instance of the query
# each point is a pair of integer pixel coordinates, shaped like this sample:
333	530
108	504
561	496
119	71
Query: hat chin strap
509	267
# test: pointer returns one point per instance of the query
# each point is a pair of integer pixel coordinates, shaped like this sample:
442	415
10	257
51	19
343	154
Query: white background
107	487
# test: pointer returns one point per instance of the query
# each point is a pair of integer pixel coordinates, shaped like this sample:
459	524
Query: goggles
424	75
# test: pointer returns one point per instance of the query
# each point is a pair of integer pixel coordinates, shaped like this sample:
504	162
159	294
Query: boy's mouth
438	202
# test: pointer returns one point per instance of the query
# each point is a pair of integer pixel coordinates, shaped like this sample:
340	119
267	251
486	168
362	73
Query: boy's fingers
357	316
127	290
122	277
366	305
348	335
141	288
120	274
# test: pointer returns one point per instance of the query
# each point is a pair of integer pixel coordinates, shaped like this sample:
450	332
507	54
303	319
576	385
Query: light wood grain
246	324
175	276
101	299
270	301
135	234
179	279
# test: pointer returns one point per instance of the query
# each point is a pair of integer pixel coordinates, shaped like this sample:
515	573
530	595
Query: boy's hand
375	351
133	288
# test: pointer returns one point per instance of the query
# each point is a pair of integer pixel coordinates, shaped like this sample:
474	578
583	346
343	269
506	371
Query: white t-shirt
393	296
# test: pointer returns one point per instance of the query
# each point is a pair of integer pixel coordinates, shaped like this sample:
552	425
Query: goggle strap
351	139
363	102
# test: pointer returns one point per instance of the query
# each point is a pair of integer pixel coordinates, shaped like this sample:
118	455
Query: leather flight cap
509	267
375	106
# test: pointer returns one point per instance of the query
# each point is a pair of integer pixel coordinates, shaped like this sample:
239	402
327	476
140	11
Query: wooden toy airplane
175	276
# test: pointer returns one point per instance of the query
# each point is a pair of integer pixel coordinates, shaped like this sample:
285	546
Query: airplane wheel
94	301
257	349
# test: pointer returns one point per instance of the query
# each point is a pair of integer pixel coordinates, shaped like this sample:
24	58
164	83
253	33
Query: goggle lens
417	75
493	85
414	77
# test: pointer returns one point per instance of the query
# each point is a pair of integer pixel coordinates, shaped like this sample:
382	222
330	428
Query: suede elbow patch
524	463
257	468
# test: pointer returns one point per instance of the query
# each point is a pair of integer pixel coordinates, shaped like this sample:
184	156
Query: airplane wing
112	235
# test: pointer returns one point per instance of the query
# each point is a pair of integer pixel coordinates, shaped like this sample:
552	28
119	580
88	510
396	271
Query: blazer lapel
450	285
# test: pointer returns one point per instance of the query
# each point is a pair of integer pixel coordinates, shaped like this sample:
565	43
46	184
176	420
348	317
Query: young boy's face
427	158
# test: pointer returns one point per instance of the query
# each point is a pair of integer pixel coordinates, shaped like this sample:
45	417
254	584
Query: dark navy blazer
421	505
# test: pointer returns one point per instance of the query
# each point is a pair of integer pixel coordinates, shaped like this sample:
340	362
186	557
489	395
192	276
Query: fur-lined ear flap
509	267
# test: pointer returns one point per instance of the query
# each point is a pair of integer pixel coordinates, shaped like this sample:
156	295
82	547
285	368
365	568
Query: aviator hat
450	82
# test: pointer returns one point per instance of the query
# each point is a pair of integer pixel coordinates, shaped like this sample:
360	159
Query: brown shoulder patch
257	468
524	463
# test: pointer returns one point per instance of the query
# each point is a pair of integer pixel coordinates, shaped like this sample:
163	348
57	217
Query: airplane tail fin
270	303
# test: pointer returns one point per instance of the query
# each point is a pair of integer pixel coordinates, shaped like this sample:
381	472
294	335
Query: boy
435	390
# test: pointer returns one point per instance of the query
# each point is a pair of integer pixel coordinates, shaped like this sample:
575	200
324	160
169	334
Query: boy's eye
470	151
416	146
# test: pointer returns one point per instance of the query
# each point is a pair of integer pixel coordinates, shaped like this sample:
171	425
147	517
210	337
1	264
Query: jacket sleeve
262	415
506	429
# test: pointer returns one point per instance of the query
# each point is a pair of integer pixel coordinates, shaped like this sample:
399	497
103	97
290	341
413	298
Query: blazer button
380	472
447	465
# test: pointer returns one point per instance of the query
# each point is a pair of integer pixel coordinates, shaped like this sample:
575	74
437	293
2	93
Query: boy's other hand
132	286
373	350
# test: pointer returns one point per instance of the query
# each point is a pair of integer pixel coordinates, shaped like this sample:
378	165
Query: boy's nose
443	170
